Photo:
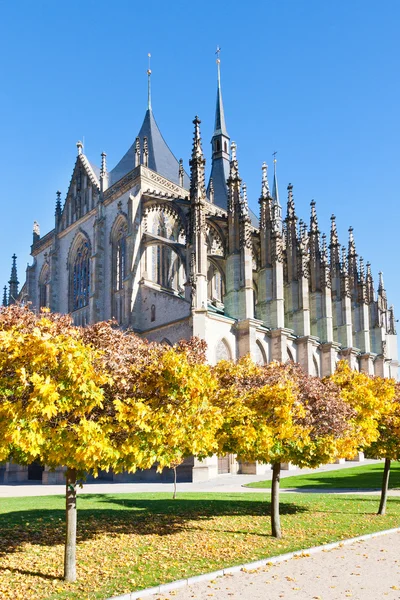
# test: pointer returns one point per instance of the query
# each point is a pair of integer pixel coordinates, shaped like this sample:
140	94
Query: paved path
368	570
223	483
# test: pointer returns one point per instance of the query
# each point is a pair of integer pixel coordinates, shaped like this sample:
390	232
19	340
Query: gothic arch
260	354
44	286
119	266
315	366
223	351
215	242
164	220
215	281
78	265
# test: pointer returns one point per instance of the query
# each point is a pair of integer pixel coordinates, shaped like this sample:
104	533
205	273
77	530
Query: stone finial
13	283
103	169
211	191
145	152
181	172
197	166
265	193
233	151
79	145
244	202
291	214
197	150
313	218
344	259
324	247
381	285
137	152
58	210
361	270
5	302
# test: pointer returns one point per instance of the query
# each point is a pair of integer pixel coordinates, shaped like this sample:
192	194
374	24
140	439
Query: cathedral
171	256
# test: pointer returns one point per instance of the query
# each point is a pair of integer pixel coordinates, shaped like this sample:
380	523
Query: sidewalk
223	483
364	570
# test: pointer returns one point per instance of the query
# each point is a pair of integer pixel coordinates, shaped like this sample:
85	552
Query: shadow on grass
113	515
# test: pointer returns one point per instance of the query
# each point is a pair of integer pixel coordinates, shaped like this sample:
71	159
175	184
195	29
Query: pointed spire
58	211
369	284
13	283
313	219
381	285
362	270
291	213
265	193
103	169
244	205
5	303
234	166
219	127
197	166
275	191
149	84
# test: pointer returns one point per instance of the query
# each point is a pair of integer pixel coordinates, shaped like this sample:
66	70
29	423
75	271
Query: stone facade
154	249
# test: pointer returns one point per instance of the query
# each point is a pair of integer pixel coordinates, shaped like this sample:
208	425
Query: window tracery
81	276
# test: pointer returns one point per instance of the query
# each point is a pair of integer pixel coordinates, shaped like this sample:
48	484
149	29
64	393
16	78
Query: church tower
217	190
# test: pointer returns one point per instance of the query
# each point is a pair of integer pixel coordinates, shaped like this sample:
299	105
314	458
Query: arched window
153	312
81	276
226	147
217	146
214	283
44	287
119	266
120	257
166	267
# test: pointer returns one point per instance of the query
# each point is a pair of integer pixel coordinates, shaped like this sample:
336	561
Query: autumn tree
158	402
50	390
387	445
275	414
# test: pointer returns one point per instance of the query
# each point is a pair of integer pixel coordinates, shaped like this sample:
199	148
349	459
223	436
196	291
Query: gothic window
120	257
119	265
166	267
217	146
225	147
214	283
44	287
81	276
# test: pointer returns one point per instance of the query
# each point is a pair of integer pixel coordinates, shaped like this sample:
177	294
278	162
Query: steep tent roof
161	158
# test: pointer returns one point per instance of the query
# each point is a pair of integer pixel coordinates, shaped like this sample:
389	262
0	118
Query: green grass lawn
133	541
366	477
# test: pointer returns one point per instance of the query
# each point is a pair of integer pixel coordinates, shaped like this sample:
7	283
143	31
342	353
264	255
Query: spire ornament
13	283
5	303
149	84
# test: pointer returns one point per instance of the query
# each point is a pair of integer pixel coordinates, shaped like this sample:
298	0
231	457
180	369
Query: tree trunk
275	518
70	521
385	485
174	496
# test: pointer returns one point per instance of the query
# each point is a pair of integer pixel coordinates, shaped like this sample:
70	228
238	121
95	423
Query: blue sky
315	80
